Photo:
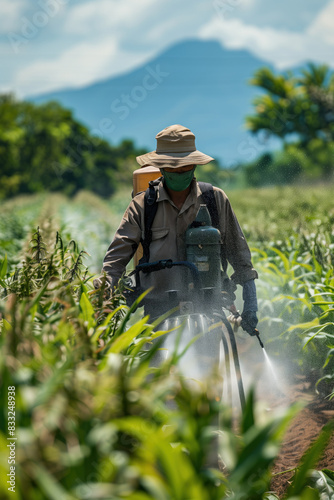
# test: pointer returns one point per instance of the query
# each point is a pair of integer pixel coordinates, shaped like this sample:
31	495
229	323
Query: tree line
44	148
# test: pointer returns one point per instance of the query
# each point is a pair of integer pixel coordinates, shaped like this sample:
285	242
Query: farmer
178	199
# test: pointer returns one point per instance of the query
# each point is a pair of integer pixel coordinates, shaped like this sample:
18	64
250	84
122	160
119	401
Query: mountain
196	83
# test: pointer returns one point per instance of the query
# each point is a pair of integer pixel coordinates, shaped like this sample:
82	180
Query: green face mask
178	181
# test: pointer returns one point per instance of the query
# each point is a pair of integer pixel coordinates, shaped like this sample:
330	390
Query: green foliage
44	148
295	164
302	104
279	169
89	418
92	221
291	235
215	175
298	109
16	220
96	420
271	216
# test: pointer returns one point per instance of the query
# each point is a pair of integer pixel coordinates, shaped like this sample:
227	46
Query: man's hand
249	322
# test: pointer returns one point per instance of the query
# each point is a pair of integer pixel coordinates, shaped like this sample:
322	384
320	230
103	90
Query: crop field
83	411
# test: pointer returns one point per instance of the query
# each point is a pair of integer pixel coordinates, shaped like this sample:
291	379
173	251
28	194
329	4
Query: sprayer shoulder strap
150	210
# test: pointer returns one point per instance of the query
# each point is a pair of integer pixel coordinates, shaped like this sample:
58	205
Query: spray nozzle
257	333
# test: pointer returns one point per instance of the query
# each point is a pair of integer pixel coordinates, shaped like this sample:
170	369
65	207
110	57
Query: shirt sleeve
124	244
234	243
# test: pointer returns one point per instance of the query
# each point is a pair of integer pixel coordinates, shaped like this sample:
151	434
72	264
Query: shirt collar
190	200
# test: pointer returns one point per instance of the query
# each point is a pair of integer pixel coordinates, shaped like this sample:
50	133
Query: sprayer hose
235	359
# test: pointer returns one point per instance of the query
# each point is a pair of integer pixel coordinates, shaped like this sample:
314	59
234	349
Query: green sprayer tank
203	244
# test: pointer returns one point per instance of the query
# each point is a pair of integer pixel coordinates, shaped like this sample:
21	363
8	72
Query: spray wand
257	333
235	317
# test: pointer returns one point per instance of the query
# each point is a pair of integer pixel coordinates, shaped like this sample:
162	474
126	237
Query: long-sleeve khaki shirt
168	239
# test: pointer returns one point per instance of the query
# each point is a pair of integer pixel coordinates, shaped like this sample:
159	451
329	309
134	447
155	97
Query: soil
304	429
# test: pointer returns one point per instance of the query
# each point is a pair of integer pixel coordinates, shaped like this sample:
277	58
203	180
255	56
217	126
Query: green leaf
3	267
131	309
307	494
322	483
87	311
317	265
107	322
323	303
37	298
329	473
248	419
181	480
304	326
285	260
7	326
125	339
260	447
53	384
49	484
320	330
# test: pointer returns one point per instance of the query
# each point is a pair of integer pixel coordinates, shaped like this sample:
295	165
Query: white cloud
96	16
323	25
282	48
10	11
94	39
83	64
117	38
79	65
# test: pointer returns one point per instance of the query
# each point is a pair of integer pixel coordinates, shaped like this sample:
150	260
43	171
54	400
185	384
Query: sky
47	45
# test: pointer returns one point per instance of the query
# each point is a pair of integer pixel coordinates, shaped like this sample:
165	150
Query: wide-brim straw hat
175	148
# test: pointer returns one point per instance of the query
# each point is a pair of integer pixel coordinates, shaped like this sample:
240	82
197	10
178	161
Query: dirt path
305	427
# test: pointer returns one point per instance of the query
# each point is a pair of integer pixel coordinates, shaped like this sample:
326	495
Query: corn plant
96	420
104	427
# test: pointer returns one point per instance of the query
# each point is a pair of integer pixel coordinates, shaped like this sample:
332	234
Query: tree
302	105
273	169
298	109
44	148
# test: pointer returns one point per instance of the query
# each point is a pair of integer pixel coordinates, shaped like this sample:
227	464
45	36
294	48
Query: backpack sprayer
206	295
